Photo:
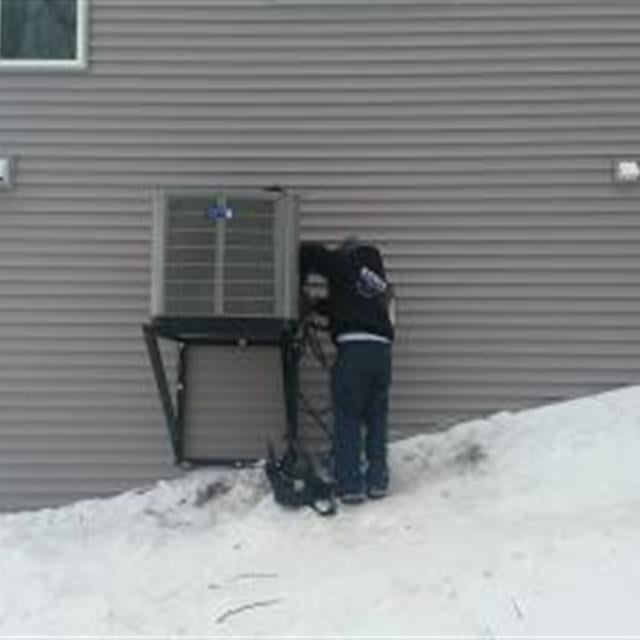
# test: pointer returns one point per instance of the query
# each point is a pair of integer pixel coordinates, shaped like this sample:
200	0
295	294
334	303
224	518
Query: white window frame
81	61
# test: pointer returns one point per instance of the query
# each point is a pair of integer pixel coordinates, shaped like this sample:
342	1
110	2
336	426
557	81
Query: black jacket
358	287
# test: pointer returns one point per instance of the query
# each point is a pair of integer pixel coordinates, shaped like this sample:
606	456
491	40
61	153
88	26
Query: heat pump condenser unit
225	254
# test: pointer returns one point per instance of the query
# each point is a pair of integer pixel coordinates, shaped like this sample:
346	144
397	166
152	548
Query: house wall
472	140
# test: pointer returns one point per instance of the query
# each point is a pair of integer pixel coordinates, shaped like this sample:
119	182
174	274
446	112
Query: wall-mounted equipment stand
241	332
224	271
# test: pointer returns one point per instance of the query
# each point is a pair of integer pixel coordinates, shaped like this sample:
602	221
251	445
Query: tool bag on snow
295	482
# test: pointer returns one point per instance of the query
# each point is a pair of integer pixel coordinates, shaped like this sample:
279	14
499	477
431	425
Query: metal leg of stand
289	356
181	393
159	373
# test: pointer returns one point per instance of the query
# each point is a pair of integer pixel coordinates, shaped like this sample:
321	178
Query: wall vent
225	253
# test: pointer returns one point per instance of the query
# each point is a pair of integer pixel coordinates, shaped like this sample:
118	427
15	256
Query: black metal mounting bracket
219	331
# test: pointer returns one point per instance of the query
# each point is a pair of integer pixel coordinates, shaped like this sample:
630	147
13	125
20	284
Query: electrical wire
310	342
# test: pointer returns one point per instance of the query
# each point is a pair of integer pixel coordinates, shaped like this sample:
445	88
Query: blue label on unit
219	212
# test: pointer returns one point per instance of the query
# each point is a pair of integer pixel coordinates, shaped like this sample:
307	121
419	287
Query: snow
521	524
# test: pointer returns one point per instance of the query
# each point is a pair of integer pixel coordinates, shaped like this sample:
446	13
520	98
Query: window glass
38	29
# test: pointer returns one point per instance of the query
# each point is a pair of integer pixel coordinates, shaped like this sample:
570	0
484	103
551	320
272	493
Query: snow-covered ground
522	524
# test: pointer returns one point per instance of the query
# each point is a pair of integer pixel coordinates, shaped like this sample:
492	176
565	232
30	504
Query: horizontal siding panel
61	473
236	50
116	80
83	420
470	382
562	60
497	158
422	213
468	290
70	303
355	123
136	235
548	247
238	10
549	321
70	276
81	290
510	73
534	26
95	400
584	99
498	350
576	112
462	171
504	366
473	140
85	336
58	381
523	278
498	185
274	9
41	265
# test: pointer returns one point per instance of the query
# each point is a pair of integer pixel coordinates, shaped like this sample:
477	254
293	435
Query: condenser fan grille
219	254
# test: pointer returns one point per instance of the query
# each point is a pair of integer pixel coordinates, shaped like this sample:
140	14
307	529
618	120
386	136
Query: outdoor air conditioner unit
224	255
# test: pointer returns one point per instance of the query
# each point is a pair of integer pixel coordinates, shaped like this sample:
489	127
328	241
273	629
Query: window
41	34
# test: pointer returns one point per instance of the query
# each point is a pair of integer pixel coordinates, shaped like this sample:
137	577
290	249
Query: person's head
351	242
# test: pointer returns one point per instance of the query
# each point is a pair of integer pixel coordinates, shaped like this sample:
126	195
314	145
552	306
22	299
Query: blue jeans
360	381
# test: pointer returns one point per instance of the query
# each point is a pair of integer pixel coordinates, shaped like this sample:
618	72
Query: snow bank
519	524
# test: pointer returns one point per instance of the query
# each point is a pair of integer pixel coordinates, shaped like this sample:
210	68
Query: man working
358	309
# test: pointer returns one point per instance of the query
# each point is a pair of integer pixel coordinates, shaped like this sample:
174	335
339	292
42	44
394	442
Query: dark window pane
38	29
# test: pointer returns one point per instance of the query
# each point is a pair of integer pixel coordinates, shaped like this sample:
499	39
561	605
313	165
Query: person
357	306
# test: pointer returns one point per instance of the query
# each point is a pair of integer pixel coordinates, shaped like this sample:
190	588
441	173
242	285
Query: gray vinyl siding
472	140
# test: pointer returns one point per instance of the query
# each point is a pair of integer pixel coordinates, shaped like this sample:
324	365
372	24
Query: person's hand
306	304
